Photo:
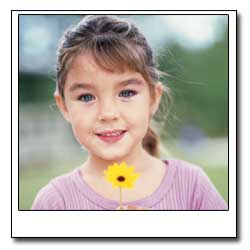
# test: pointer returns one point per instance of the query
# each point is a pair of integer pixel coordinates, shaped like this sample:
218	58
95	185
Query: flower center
121	178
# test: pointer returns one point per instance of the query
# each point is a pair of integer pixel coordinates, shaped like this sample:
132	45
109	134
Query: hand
132	207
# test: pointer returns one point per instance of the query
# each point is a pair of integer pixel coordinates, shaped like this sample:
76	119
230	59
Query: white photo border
134	224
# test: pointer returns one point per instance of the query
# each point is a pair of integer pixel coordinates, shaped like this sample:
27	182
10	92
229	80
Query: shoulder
48	198
187	172
204	195
52	196
183	169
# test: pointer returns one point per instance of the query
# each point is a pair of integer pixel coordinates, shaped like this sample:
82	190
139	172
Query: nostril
108	116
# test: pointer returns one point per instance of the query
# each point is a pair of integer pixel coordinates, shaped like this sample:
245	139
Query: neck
139	158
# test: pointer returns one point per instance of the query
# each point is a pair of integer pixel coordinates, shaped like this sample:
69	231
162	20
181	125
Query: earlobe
61	105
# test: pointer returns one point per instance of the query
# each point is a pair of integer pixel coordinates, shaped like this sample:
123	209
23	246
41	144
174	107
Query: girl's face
109	111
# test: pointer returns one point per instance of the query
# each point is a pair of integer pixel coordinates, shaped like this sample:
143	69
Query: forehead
85	62
84	68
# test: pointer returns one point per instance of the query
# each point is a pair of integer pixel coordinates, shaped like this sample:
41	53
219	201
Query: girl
108	89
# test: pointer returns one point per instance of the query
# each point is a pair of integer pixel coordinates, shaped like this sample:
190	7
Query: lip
107	136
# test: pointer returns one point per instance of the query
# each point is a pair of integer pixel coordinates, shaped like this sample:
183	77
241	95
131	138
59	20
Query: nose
107	110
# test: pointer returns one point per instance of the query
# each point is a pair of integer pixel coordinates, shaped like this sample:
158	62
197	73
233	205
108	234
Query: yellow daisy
120	175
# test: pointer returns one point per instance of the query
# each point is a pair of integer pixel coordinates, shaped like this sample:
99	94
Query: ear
61	105
156	101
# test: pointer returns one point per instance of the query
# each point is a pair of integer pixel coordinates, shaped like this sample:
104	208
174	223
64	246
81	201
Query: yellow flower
121	175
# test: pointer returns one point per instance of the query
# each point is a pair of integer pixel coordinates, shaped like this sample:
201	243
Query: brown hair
116	45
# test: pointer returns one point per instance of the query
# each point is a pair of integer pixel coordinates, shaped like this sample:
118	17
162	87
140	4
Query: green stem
121	207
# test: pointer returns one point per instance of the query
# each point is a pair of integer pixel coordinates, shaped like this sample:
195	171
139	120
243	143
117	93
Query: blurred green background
192	49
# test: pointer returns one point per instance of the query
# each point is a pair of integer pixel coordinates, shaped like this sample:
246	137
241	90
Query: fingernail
131	207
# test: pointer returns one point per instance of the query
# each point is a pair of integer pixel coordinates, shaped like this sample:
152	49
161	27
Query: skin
107	104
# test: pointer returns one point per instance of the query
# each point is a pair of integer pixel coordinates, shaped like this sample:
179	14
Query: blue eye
127	93
86	98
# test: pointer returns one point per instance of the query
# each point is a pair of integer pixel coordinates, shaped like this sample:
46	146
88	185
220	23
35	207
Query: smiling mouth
112	133
111	136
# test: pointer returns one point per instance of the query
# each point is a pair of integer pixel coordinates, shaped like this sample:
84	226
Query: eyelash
81	97
131	94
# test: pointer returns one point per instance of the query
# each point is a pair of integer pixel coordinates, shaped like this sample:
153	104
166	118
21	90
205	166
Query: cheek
81	122
139	118
80	115
140	111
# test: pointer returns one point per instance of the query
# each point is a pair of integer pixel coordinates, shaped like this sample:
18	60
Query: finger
133	207
121	208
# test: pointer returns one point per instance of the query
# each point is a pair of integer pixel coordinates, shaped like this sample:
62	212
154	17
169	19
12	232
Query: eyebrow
82	85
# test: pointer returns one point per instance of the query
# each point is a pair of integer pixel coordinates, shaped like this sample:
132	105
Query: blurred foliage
198	81
35	88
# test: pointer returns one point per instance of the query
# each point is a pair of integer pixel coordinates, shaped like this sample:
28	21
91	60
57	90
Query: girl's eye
86	98
127	93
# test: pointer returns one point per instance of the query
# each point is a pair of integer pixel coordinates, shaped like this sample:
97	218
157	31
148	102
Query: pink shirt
184	187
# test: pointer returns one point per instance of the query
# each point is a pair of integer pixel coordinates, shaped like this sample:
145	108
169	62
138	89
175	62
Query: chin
114	157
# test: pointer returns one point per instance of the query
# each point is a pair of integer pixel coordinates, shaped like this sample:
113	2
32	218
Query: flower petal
116	170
